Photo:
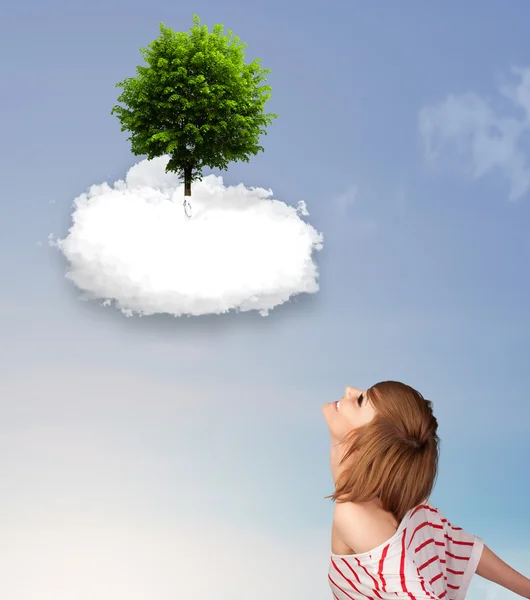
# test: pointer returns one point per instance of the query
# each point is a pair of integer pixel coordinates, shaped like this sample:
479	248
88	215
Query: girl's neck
336	453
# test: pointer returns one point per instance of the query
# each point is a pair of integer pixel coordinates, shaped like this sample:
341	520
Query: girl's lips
337	404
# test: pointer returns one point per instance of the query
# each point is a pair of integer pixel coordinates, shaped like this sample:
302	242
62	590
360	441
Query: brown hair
393	457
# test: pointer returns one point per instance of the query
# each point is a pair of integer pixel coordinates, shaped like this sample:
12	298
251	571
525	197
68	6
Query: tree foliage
196	100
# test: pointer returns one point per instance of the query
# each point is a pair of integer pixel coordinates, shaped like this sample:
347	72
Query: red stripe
351	569
426	564
381	564
349	580
431	541
435	578
421	507
376	583
422	582
338	586
452	526
421	526
458	541
367	572
402	567
427	592
457	557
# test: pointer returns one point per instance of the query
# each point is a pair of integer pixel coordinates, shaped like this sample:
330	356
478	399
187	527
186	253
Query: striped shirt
427	558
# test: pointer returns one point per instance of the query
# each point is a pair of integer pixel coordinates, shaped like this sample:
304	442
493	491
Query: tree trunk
187	181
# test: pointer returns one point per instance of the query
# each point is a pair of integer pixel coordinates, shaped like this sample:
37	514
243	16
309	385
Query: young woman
387	540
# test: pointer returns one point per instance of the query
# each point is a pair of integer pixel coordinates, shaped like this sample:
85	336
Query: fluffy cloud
484	137
131	244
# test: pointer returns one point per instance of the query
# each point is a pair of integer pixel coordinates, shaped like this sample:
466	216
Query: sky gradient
167	458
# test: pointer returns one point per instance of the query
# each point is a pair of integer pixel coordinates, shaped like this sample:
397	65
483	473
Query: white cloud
483	136
132	244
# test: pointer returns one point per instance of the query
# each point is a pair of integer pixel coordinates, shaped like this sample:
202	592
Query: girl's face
353	410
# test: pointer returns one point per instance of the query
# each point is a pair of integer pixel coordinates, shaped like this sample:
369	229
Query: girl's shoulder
361	527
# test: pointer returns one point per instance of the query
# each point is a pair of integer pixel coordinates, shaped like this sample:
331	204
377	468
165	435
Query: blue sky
139	449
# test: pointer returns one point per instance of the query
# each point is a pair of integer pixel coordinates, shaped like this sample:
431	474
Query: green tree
196	100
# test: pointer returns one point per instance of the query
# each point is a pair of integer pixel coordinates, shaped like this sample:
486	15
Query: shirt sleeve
445	555
462	556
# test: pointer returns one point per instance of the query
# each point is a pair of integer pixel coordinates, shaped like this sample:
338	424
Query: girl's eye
360	400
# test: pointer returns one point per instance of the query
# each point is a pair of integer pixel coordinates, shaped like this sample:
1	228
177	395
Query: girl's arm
494	569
